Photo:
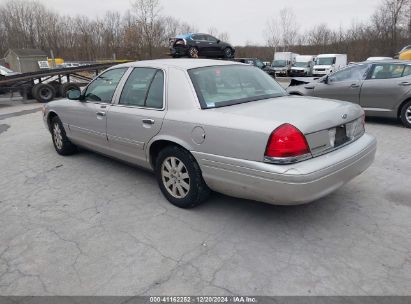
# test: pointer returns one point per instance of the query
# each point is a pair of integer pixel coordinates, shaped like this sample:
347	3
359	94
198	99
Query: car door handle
101	114
148	121
405	83
354	85
309	87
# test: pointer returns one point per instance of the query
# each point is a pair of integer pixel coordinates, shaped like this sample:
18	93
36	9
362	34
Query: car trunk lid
327	124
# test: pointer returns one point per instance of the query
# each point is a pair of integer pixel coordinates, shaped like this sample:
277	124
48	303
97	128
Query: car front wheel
180	178
406	114
61	142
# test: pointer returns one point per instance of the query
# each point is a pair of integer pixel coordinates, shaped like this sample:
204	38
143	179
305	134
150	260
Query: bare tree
289	27
148	16
273	34
282	31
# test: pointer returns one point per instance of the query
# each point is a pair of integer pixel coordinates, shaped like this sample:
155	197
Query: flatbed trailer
45	85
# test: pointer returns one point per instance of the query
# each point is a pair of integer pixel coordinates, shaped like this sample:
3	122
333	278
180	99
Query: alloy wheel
408	114
175	177
193	53
58	138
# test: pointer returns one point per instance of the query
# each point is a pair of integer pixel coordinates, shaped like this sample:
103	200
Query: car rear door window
103	87
155	94
387	71
199	37
211	39
143	88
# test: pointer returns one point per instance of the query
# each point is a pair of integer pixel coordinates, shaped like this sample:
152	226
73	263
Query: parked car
196	45
204	125
257	63
5	72
382	88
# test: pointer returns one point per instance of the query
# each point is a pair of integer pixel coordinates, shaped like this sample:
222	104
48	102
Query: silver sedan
382	88
205	125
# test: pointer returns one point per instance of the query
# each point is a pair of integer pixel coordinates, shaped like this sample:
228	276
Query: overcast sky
244	20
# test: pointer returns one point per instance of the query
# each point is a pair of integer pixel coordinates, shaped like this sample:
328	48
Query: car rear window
219	86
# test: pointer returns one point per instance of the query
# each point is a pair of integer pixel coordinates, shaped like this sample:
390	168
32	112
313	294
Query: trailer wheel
26	92
43	92
56	85
64	88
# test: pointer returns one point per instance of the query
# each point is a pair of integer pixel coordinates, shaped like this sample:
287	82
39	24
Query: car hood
309	114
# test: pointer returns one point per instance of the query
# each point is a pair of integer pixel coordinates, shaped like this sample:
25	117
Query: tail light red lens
286	141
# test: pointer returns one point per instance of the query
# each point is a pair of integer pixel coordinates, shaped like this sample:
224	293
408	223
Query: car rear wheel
180	178
406	114
193	52
61	142
228	53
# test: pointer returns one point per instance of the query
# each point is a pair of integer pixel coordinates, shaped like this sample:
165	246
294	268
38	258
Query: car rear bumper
288	184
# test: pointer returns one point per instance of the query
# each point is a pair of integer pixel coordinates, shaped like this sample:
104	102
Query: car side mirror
74	95
326	80
218	41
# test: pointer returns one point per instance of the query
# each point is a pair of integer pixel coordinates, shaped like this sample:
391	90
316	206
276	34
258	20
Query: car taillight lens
286	142
180	42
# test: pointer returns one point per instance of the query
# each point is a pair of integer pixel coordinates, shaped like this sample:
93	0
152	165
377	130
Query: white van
282	63
329	63
303	65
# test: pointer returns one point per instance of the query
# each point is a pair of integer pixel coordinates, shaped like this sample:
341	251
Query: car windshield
300	64
279	63
219	86
326	61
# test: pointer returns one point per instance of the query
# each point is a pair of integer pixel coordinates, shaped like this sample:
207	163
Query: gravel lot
90	225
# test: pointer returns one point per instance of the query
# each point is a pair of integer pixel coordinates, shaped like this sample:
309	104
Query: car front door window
103	87
354	73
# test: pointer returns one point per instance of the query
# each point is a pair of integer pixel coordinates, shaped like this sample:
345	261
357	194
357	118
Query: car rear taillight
287	145
180	42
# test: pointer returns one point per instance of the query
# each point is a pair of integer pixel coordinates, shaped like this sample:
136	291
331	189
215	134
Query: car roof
184	64
388	61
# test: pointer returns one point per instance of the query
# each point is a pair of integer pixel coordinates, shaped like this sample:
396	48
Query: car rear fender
165	138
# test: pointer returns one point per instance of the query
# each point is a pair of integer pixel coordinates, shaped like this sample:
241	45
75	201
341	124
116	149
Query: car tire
180	178
405	114
68	87
61	143
228	53
193	52
43	92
